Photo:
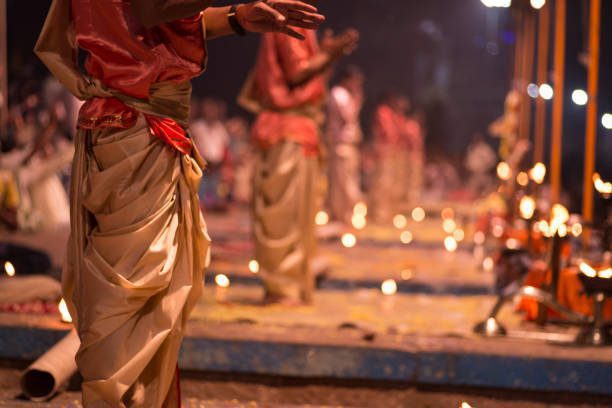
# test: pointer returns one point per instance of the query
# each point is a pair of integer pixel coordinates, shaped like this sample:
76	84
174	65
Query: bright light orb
406	274
322	218
459	235
488	264
448	213
253	266
406	237
388	287
348	240
9	269
359	222
522	179
546	91
360	209
418	214
479	237
504	172
538	173
587	270
580	97
606	120
537	4
400	221
576	229
222	280
527	207
450	244
65	314
603	187
449	225
532	90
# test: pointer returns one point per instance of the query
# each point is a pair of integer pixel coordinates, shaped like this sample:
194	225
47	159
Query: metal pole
540	111
557	114
591	116
3	70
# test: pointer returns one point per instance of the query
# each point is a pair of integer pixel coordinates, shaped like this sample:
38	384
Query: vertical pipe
542	76
557	114
591	115
3	70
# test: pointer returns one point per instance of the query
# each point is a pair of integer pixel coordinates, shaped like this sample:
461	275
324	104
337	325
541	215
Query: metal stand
596	334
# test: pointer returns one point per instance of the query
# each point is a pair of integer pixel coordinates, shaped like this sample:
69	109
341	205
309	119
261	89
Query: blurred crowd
384	166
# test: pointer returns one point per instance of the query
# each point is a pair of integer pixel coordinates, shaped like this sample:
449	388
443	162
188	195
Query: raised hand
341	44
279	16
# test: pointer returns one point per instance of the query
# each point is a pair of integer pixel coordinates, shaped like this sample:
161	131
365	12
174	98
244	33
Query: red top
387	126
284	116
129	58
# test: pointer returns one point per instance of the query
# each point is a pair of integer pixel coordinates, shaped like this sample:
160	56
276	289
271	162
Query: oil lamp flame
222	281
504	172
9	269
400	221
358	221
603	187
360	209
65	314
253	266
538	173
349	240
389	287
322	218
527	207
587	270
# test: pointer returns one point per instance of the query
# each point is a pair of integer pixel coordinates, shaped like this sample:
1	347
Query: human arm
332	49
257	16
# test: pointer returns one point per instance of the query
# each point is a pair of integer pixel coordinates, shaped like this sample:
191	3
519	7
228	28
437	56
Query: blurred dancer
385	193
242	158
409	173
139	245
212	139
287	90
343	136
480	161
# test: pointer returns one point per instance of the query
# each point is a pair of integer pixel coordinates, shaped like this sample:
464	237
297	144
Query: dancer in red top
287	90
138	243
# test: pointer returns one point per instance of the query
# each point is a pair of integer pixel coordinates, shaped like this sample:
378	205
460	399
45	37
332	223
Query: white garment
211	139
343	117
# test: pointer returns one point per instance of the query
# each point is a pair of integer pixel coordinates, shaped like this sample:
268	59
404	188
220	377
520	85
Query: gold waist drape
136	256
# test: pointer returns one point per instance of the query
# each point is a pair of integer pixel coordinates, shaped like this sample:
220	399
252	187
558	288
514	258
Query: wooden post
591	116
542	76
557	114
3	70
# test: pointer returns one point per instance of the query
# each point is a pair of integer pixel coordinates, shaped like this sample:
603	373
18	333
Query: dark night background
452	57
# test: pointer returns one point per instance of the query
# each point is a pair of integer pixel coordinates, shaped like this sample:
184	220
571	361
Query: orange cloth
570	294
288	113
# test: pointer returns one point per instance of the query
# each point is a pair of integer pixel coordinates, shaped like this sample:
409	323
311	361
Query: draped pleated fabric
285	192
138	244
137	253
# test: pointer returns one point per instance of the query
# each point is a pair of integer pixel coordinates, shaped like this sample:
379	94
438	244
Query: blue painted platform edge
352	363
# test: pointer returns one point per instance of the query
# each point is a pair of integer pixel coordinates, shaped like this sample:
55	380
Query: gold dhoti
285	194
136	256
344	189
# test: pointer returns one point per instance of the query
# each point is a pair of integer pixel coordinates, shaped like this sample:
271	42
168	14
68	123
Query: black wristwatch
233	21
